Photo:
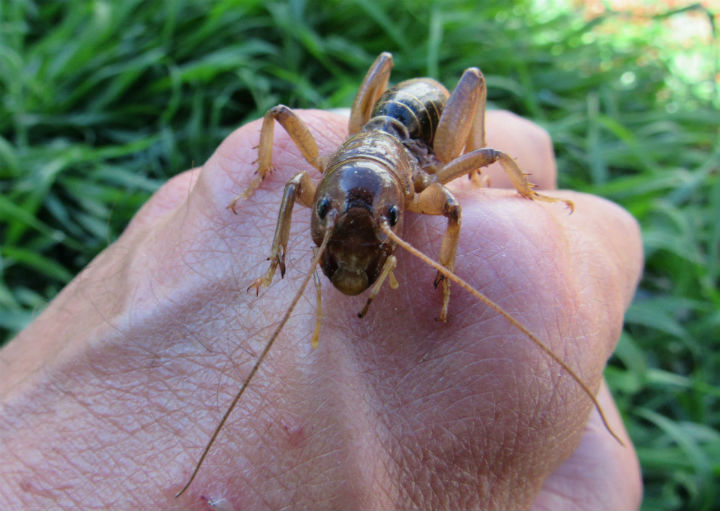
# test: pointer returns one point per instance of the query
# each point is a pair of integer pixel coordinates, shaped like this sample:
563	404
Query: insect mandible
405	143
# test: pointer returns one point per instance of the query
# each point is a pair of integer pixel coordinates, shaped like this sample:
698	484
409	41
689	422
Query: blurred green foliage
102	101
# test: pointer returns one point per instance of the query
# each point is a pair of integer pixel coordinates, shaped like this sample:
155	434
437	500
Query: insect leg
373	85
299	188
300	135
476	137
462	126
438	200
466	163
460	121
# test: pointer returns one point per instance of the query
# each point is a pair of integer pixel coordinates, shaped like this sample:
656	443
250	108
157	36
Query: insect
405	143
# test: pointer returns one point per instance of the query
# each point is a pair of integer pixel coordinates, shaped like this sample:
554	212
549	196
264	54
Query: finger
595	252
608	245
600	474
166	199
566	277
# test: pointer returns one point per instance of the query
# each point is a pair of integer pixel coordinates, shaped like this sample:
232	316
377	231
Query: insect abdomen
416	104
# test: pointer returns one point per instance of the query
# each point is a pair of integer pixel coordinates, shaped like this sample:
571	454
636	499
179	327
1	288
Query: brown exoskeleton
405	144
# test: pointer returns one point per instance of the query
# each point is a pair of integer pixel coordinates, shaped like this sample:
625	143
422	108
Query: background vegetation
102	101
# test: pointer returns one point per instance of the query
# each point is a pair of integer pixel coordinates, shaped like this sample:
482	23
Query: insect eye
392	215
323	206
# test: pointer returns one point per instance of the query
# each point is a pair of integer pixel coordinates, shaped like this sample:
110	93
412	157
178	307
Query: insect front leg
300	135
438	200
300	188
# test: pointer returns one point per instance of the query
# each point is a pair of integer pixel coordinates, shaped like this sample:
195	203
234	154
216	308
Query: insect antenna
258	362
494	306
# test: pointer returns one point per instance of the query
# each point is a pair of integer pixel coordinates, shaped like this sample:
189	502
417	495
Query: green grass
101	102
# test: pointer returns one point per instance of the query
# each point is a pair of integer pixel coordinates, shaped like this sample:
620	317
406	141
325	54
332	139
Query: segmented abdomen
416	104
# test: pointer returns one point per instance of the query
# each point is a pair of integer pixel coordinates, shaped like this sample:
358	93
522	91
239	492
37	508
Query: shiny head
359	195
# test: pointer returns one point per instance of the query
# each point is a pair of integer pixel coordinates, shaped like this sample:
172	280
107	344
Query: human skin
108	398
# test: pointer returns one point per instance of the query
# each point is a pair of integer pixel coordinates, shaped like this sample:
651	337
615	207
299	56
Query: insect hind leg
483	157
462	128
372	87
463	117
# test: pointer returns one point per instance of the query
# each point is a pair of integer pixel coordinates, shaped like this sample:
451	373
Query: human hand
109	396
